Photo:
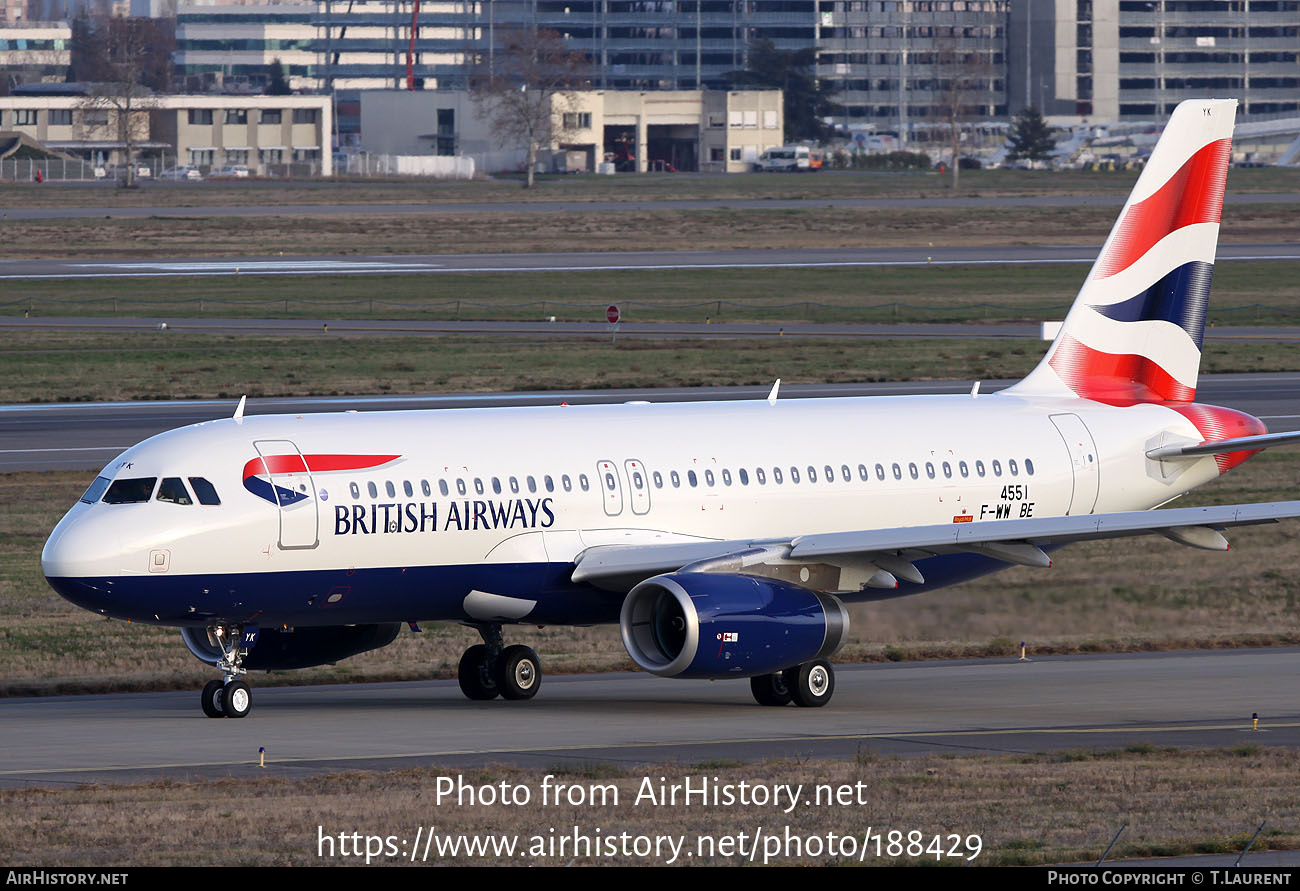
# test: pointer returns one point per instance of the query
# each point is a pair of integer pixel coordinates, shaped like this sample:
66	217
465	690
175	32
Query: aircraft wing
877	558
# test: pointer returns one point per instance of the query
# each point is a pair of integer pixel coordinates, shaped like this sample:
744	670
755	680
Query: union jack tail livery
1134	332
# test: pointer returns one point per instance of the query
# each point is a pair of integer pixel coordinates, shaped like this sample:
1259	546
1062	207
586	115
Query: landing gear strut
809	685
490	669
230	697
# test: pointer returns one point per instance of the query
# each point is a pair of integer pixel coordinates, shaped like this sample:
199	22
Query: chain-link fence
159	167
568	311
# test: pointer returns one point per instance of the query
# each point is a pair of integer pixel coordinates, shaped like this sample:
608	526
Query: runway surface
427	264
85	436
1085	702
541	207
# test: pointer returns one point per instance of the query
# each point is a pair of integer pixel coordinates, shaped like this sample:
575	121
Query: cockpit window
207	493
96	489
130	491
173	491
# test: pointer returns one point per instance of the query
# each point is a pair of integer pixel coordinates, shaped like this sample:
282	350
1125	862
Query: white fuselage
529	489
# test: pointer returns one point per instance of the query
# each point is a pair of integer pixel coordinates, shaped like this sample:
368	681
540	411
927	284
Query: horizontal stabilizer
1220	446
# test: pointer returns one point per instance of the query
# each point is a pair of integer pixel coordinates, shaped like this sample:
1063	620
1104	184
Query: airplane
724	538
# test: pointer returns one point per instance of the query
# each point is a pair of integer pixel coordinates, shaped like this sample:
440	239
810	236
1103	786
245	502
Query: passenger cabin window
812	474
550	483
659	480
979	468
532	484
582	481
389	488
207	493
692	478
460	487
794	475
96	490
496	485
929	469
708	477
406	487
898	471
1011	466
911	468
965	471
880	471
744	476
676	479
776	476
862	473
478	485
374	492
1029	467
130	491
947	470
726	477
566	483
997	468
425	489
173	491
760	476
443	488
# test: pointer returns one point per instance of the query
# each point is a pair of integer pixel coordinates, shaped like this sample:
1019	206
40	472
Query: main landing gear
809	685
490	669
230	697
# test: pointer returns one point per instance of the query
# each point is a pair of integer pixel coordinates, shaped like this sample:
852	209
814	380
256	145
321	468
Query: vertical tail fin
1134	332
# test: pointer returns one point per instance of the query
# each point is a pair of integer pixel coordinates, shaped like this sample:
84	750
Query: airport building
686	130
1115	60
32	52
268	135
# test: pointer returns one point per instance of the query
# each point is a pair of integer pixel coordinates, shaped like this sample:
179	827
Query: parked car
230	171
181	173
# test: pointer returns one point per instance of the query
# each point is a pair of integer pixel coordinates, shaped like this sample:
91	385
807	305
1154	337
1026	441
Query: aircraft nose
85	544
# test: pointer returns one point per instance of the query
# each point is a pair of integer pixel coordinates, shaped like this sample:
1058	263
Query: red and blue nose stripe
271	466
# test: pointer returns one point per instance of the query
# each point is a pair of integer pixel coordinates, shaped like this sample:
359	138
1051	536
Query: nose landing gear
230	697
490	669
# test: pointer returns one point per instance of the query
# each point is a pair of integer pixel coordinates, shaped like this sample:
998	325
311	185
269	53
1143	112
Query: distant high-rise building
1137	59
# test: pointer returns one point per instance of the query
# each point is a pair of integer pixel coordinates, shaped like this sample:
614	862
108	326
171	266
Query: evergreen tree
792	71
1031	137
277	84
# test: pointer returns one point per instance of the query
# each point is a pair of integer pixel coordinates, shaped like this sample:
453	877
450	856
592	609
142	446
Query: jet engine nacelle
300	648
704	625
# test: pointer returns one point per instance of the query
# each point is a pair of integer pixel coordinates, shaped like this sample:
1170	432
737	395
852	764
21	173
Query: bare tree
966	90
527	86
118	58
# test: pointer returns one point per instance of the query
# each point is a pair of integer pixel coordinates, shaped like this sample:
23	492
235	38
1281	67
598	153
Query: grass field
813	226
1245	293
1026	809
52	366
642	187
